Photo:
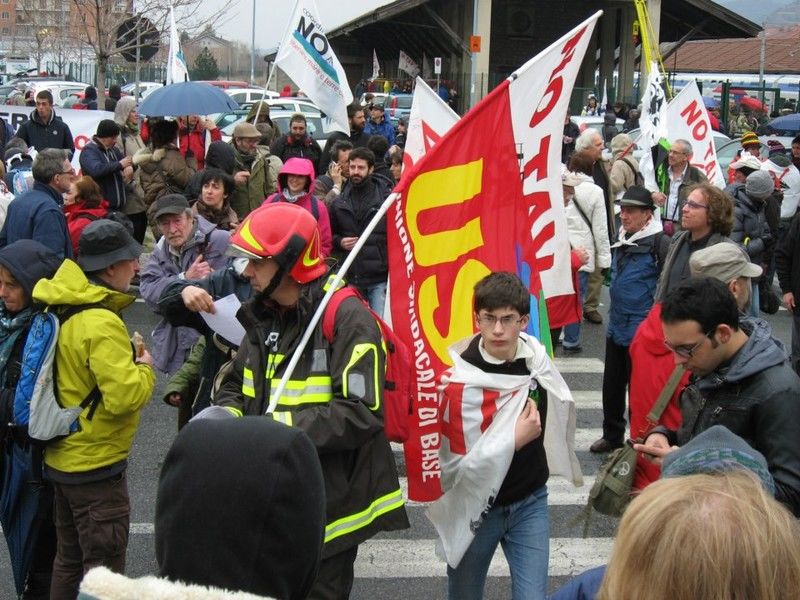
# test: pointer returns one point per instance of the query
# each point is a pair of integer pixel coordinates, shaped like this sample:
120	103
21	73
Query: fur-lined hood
102	584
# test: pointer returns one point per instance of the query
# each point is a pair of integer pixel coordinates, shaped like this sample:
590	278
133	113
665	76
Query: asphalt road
400	566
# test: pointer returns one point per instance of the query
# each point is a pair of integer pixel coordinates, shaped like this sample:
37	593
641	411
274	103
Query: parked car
720	139
227	84
145	88
398	105
281	118
295	105
61	90
377	98
249	95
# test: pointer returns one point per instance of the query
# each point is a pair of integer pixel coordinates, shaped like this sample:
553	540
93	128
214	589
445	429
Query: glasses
70	172
688	350
491	320
677	152
695	205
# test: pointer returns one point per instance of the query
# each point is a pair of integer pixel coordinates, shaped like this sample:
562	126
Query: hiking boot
593	316
603	446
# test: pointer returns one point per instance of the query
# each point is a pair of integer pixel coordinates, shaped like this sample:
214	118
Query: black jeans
335	578
616	376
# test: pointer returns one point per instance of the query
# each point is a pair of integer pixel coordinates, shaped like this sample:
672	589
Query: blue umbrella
787	123
187	98
710	102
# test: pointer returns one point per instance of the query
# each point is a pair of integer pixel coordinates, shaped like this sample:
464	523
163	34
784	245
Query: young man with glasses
677	177
740	379
495	403
38	214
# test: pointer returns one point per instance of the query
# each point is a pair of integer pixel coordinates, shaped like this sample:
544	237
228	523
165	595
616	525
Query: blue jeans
523	530
572	332
375	295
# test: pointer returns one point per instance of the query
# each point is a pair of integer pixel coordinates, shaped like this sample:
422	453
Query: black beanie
107	128
241	505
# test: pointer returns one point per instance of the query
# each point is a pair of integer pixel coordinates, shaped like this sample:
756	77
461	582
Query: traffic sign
148	38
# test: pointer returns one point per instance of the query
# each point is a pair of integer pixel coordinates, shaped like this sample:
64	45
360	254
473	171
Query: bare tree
97	21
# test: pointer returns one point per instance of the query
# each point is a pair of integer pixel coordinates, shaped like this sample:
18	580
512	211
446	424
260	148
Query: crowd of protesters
268	217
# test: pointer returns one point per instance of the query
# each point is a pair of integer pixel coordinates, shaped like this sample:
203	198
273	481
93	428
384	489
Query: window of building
5	15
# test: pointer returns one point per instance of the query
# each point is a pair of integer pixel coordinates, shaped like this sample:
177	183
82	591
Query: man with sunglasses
740	379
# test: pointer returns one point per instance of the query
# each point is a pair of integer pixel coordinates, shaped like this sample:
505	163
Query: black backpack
111	215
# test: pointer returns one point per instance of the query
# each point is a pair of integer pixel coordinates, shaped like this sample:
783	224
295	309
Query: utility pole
253	48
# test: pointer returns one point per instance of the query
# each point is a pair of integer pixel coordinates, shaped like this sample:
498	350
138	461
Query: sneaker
603	446
593	316
571	349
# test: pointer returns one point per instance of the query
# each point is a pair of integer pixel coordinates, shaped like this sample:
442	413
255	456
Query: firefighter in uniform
335	393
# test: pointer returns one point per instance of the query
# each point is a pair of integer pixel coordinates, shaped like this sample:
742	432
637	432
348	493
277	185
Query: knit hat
750	139
724	261
620	142
107	128
717	450
759	185
241	505
775	147
780	160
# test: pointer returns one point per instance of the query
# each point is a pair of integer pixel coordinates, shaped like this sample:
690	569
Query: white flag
687	119
652	124
604	103
306	56
427	69
176	63
376	67
429	120
407	64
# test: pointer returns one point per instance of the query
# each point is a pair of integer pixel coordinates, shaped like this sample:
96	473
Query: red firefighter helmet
286	233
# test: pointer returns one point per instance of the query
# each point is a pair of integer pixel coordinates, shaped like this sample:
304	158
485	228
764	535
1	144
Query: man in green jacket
94	355
256	170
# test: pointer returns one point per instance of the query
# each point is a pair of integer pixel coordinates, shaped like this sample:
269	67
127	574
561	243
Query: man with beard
351	212
256	170
297	143
357	137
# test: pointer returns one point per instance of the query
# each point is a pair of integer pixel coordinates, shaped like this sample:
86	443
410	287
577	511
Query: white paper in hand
224	321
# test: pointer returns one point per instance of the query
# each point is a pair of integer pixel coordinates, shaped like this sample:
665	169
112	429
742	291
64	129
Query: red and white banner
687	119
407	64
82	123
429	120
486	198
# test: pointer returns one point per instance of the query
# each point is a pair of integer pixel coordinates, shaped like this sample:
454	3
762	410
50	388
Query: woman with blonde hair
712	536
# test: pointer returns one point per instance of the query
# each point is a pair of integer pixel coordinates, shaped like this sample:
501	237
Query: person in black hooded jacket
44	129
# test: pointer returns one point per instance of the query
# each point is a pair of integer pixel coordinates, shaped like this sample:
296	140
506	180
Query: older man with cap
104	162
255	171
190	248
636	264
95	364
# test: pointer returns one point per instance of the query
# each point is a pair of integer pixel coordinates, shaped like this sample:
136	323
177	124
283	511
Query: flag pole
332	287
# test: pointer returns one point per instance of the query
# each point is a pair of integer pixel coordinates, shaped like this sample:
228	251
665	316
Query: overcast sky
272	16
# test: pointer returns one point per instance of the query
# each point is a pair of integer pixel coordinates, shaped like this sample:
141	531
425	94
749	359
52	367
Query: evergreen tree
205	66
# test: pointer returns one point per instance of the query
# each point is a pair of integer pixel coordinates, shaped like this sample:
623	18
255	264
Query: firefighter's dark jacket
335	395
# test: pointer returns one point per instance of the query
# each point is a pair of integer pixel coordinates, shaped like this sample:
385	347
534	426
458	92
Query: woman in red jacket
195	133
82	205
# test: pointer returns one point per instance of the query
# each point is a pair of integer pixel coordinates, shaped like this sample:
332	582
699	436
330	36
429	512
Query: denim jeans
572	332
523	530
375	294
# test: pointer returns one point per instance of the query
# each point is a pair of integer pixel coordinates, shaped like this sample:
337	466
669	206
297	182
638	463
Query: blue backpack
36	404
